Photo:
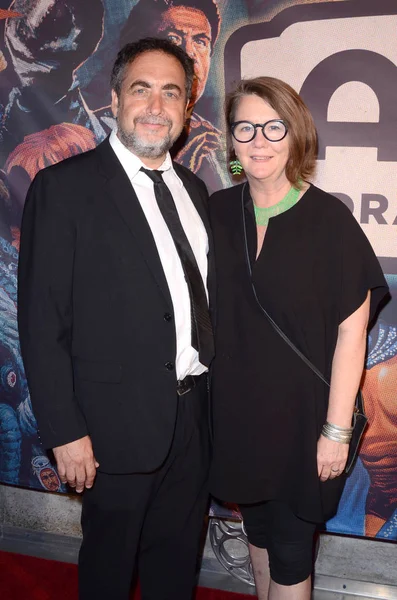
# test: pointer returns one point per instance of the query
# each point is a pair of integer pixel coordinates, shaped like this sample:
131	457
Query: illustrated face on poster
347	75
191	24
189	28
46	474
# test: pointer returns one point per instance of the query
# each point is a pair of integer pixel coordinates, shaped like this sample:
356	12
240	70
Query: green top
262	215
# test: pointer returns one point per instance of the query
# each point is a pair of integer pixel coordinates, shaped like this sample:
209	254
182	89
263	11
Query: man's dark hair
145	22
131	51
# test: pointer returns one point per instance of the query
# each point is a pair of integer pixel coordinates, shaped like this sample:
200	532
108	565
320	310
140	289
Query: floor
321	595
208	578
230	584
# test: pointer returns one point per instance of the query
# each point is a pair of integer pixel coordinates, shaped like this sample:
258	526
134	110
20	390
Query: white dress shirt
187	362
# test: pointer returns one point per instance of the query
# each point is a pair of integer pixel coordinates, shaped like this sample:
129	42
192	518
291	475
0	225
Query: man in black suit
115	335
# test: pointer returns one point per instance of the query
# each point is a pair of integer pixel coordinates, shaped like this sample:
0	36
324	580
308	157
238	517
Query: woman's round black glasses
245	131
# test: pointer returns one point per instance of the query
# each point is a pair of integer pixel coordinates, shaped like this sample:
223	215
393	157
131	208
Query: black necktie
202	336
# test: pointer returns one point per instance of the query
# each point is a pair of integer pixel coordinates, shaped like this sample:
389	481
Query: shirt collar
132	163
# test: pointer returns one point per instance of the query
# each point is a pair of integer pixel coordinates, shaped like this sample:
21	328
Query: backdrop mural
55	61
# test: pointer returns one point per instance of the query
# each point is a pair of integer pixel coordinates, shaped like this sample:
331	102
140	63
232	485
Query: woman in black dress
280	434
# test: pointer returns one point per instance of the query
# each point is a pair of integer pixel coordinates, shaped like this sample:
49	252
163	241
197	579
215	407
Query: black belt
183	386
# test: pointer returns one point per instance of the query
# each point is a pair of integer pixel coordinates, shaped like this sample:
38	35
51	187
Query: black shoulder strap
273	323
359	404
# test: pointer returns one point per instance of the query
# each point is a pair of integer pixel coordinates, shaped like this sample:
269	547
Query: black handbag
359	419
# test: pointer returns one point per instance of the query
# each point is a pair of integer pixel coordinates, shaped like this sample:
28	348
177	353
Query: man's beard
142	147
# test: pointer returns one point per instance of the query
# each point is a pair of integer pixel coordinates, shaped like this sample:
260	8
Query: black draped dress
314	270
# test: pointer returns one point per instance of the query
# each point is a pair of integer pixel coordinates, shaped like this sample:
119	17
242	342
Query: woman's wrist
341	416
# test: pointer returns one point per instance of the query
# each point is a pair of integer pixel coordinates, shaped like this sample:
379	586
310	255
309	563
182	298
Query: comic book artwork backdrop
55	60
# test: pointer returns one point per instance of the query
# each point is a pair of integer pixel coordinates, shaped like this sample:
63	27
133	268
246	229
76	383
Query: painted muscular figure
378	451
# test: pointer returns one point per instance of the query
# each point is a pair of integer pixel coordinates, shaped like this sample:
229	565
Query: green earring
236	167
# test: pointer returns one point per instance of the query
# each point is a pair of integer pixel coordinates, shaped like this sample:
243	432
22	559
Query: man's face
189	28
151	108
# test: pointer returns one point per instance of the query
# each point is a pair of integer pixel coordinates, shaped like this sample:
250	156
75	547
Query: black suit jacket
95	314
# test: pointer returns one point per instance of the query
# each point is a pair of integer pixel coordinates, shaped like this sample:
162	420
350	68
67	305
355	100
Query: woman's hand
331	458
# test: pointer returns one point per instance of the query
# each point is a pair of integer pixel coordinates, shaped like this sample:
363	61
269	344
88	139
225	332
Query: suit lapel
122	194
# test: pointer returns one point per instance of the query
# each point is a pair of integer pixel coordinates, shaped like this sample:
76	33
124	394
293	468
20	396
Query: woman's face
261	159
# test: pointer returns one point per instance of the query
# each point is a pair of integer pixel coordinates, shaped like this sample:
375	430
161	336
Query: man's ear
115	103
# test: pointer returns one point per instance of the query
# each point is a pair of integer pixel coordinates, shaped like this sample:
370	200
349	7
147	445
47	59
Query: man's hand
76	463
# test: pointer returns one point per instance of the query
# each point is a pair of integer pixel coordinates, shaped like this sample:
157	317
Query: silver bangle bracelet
335	432
338	434
338	428
334	438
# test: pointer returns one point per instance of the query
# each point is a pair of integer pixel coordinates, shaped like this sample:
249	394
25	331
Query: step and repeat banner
55	62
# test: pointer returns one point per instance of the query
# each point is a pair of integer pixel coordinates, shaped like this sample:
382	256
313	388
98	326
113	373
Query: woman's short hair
291	108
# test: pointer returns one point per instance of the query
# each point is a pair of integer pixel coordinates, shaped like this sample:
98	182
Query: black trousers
287	538
152	521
